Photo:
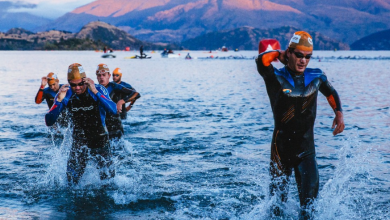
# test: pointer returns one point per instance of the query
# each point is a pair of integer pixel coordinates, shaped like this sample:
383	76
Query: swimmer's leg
77	162
104	160
278	187
307	178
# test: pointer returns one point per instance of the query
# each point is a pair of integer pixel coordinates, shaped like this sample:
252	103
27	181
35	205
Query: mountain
376	41
248	38
178	20
19	19
92	36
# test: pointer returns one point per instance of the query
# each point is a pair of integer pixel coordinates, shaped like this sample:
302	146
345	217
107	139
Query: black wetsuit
116	93
90	137
48	95
293	101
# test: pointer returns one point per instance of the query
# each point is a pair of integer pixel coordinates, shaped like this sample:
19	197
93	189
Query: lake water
196	144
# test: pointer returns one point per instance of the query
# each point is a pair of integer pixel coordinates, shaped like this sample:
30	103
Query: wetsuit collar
292	73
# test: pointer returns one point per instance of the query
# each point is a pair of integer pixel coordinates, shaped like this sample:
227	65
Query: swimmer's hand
339	121
282	57
62	92
119	105
44	82
91	85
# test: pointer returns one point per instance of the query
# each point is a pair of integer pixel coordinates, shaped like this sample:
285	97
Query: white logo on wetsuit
82	108
104	90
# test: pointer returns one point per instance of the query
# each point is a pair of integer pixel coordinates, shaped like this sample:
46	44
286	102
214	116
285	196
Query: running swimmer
50	92
293	91
48	95
120	95
88	104
117	78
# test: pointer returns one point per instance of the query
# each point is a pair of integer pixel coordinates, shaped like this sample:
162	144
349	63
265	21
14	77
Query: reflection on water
197	143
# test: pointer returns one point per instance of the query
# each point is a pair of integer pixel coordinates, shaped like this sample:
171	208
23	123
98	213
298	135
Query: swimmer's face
54	86
103	77
298	60
116	77
78	86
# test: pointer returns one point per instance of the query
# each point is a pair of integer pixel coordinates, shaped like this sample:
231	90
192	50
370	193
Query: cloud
46	8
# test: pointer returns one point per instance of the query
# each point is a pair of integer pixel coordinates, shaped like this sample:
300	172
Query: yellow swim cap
117	71
52	78
102	68
76	71
301	40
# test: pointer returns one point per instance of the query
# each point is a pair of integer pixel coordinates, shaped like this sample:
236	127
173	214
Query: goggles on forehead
102	71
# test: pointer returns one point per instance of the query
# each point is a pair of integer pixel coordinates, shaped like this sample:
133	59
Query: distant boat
268	44
224	49
108	55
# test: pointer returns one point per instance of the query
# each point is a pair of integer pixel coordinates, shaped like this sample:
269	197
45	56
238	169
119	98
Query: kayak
138	57
108	55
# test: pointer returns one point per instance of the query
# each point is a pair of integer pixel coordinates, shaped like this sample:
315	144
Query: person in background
293	91
120	95
50	92
117	78
87	104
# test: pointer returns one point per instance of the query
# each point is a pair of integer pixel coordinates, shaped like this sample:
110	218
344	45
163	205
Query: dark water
197	143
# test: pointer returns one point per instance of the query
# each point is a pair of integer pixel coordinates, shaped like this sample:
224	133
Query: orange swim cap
102	68
117	71
52	78
76	71
301	40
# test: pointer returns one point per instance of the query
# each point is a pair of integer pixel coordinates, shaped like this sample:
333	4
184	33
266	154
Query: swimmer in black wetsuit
49	93
87	104
293	91
120	95
117	78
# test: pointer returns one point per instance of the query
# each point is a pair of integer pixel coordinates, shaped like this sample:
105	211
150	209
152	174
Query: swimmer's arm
263	61
60	102
334	101
105	100
131	95
39	96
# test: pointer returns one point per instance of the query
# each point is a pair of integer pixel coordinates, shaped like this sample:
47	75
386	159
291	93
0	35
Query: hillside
92	36
248	38
177	20
376	41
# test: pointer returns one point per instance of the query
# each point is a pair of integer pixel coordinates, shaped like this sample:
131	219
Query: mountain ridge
176	21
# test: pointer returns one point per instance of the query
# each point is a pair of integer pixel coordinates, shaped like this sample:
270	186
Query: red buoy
268	44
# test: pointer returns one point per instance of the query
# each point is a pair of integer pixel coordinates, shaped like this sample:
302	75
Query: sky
49	8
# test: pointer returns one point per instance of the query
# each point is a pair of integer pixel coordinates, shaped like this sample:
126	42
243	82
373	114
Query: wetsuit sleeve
57	108
129	94
105	100
264	66
39	96
331	94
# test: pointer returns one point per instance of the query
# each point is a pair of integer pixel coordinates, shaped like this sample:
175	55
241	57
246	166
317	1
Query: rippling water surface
197	143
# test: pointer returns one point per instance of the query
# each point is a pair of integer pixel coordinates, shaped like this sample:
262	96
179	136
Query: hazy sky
50	8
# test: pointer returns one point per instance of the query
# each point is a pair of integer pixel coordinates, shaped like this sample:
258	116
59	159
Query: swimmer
117	78
87	104
50	92
293	91
120	95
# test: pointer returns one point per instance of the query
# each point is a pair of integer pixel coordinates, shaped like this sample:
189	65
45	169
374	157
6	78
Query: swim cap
76	71
52	78
117	71
102	68
302	41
